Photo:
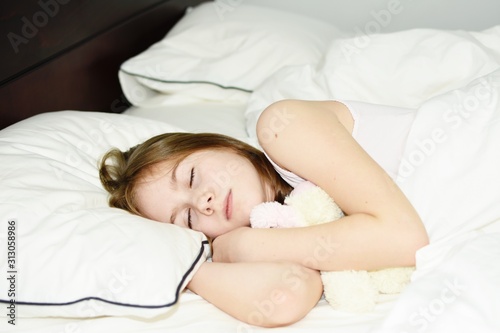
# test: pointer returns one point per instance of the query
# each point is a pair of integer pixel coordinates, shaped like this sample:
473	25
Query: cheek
240	169
246	209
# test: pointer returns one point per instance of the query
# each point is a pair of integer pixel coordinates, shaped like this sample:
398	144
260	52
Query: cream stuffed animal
352	291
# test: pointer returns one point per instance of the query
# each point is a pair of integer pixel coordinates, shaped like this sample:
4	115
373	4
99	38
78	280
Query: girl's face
210	191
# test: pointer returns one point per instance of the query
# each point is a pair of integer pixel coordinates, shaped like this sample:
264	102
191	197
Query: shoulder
294	131
287	115
286	121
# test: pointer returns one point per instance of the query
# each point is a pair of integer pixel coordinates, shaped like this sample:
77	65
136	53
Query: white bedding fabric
451	174
195	116
450	170
399	69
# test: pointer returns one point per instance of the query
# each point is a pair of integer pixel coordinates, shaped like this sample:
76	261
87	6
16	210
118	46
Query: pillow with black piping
222	53
66	253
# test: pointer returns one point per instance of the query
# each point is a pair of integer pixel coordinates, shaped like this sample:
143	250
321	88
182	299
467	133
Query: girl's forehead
172	164
158	170
169	165
205	154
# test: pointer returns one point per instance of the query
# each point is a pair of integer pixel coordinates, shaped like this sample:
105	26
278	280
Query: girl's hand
231	246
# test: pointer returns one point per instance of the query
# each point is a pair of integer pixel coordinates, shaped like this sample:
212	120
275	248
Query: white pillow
223	54
72	255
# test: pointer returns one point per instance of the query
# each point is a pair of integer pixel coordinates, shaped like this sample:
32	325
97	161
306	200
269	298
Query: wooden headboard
65	54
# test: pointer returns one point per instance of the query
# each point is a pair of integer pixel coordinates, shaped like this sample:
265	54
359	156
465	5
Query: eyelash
191	177
189	219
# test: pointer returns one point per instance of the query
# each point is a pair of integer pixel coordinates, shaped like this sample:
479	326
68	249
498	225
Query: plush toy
352	291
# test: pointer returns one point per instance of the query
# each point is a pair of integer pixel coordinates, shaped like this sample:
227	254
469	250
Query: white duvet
450	170
402	69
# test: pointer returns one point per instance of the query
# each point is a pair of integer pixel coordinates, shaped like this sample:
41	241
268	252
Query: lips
228	205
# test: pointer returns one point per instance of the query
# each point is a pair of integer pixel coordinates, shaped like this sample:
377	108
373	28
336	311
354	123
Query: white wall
394	15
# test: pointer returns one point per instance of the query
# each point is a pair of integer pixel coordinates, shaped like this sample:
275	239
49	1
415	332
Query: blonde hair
121	171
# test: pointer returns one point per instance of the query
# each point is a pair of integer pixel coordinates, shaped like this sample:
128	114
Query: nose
205	203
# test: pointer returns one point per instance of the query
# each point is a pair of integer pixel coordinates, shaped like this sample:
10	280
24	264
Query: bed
69	92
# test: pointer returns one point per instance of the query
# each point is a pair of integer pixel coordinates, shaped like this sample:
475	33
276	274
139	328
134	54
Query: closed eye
191	178
189	219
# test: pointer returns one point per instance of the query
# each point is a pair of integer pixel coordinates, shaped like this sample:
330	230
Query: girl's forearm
262	294
359	242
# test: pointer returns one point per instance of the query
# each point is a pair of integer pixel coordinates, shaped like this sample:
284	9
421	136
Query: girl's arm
261	294
313	140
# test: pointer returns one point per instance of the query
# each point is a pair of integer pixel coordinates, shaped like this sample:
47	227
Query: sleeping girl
211	182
